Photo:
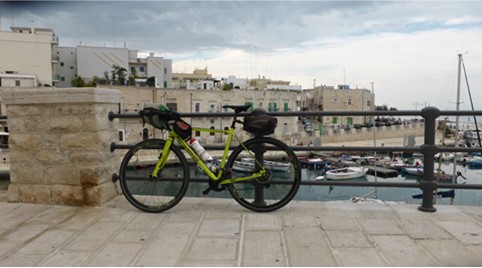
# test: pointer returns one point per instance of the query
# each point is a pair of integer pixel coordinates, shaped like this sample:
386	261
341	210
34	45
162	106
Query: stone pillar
59	145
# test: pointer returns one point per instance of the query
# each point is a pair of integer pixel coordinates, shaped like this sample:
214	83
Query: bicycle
262	173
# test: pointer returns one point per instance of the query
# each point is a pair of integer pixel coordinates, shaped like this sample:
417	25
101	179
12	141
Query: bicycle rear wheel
281	182
153	194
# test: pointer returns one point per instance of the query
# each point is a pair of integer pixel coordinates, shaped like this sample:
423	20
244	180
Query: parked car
368	124
309	128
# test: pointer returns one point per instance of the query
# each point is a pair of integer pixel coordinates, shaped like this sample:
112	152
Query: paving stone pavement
219	232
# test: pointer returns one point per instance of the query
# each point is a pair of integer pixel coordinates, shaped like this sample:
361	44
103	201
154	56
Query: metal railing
428	185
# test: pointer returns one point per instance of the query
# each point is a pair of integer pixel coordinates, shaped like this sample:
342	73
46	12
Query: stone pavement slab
219	232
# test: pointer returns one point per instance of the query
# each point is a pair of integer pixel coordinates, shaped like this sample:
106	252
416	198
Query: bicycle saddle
238	108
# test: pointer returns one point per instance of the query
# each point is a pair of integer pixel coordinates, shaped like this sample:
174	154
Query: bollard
429	149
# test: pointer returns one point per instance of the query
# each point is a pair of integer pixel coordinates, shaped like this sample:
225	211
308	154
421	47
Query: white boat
413	170
346	173
444	156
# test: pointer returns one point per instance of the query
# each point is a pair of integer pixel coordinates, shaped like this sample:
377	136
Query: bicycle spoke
148	193
280	184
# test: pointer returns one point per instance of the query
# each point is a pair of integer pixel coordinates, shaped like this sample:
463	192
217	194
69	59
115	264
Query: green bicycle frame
173	136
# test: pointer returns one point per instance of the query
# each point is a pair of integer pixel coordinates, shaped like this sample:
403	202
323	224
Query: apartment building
32	57
340	98
27	58
89	62
206	101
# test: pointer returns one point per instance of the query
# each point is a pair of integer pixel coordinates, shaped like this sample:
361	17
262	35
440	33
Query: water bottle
199	149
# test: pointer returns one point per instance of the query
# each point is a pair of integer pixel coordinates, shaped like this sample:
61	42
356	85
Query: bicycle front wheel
277	187
149	193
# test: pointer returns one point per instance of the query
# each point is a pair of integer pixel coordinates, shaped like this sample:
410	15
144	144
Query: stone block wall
60	145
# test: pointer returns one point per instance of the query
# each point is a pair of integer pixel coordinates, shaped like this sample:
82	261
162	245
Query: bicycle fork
162	158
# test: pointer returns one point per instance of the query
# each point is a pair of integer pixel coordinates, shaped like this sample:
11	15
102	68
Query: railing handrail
113	115
428	149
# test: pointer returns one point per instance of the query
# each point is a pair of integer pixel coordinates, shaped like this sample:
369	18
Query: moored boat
346	173
247	165
475	162
314	163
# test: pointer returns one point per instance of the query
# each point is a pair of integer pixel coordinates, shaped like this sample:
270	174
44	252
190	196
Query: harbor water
331	193
392	194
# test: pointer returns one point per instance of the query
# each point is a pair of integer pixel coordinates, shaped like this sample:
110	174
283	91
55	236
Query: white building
94	61
88	62
31	56
240	83
26	57
67	68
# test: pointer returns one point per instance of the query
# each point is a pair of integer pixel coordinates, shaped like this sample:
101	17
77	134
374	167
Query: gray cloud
298	41
202	25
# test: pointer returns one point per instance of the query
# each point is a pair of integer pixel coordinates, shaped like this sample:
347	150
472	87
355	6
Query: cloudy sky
407	48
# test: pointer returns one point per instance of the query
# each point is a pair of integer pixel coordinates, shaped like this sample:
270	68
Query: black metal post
259	188
429	149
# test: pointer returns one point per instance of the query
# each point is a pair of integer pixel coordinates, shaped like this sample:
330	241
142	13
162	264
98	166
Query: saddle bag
260	124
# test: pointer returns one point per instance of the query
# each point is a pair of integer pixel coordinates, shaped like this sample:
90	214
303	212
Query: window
349	120
122	135
285	108
17	83
71	67
62	78
62	64
349	102
212	108
141	69
133	69
165	70
335	101
197	107
335	120
172	106
212	133
248	102
272	107
369	103
165	84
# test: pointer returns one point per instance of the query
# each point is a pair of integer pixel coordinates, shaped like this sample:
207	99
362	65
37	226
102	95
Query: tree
151	81
132	77
78	81
228	86
120	73
381	108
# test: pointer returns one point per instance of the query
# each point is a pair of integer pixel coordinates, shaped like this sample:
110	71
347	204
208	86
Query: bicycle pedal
206	192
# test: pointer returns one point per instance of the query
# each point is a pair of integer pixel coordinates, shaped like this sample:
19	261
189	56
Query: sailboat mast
457	117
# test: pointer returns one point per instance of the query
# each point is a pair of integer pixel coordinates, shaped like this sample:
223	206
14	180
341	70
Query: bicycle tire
278	188
153	194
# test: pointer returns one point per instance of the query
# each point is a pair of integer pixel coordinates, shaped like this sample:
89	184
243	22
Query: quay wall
340	135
